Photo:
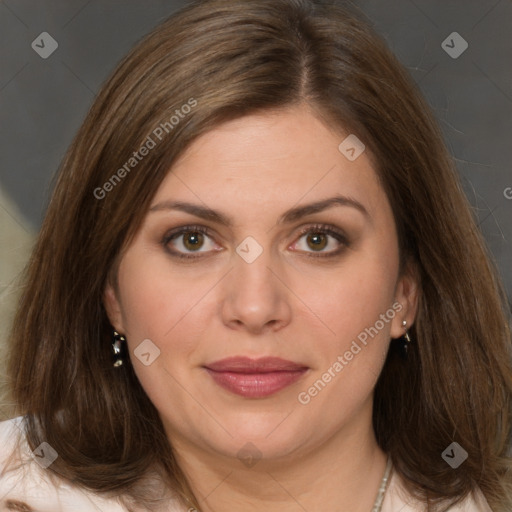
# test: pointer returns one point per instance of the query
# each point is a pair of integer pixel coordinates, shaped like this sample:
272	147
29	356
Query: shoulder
26	484
397	498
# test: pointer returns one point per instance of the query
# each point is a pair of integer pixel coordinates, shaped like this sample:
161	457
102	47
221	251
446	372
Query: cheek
361	291
358	311
153	302
164	309
167	307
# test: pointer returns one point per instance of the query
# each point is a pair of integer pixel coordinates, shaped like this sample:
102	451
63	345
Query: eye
188	240
316	241
321	239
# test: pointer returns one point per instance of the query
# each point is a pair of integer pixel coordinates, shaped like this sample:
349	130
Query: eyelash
316	228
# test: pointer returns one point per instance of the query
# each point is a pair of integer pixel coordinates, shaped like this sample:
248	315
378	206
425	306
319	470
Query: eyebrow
289	216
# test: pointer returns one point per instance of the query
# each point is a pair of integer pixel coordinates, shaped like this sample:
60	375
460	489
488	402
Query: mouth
255	378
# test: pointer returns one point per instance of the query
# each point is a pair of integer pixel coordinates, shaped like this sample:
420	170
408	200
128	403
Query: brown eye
317	241
189	242
193	241
321	241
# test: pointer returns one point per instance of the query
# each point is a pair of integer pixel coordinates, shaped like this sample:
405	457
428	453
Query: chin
268	436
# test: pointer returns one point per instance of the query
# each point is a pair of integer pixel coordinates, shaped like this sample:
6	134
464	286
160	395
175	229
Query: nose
255	297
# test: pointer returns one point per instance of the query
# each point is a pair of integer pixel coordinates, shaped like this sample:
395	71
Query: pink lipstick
255	378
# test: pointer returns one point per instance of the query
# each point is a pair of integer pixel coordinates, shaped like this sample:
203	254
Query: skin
286	303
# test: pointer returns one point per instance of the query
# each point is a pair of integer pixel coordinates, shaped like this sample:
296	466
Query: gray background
43	101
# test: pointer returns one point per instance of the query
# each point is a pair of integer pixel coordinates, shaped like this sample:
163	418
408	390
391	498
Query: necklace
377	506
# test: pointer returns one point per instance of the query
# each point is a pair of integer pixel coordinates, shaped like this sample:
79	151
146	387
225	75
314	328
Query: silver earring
406	335
119	349
405	340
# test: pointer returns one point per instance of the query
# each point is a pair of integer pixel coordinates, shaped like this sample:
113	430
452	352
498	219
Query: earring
406	335
119	349
405	340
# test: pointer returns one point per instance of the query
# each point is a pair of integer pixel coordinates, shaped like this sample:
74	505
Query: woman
259	222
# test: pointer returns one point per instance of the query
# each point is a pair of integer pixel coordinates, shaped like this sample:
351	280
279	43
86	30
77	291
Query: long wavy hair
229	59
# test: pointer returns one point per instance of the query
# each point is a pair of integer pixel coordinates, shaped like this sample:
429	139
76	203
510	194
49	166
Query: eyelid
325	228
189	228
328	229
181	230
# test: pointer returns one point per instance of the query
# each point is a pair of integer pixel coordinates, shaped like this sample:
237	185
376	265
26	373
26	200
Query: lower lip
256	385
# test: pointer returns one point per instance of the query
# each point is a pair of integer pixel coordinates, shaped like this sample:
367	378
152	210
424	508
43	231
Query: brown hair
226	59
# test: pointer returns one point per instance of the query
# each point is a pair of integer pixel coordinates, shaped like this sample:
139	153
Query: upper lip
240	364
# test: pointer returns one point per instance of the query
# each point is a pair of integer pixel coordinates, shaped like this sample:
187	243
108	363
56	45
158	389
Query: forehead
260	162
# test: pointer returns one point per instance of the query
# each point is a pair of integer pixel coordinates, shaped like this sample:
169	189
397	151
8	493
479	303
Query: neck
315	480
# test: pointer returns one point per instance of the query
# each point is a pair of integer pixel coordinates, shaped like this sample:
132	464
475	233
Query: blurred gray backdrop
55	54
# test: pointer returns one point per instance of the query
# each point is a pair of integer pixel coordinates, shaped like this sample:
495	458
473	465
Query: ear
113	308
406	295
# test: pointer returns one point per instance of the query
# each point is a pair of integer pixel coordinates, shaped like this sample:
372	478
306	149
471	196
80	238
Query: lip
255	378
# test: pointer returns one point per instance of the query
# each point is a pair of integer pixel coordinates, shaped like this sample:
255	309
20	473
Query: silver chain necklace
377	506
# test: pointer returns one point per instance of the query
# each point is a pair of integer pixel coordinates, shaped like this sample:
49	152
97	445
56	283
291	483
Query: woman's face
263	241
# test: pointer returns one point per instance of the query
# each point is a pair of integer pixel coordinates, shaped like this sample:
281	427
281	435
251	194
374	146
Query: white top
29	484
